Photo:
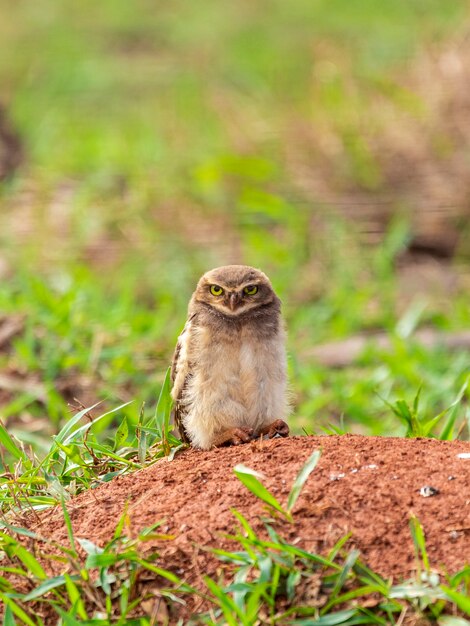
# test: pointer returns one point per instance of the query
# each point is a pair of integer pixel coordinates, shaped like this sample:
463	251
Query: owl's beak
233	300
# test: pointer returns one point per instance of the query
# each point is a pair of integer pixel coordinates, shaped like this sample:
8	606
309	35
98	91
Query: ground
367	486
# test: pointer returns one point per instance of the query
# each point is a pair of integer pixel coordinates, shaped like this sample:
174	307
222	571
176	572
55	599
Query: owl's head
235	290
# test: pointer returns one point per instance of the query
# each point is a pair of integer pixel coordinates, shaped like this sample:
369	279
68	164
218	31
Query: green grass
272	577
250	479
80	456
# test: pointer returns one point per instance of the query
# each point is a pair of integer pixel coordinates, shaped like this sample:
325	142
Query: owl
229	382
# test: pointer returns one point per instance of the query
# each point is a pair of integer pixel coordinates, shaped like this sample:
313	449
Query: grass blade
333	553
87	426
447	431
46	586
163	411
18	530
419	541
68	427
67	619
16	610
451	620
121	434
8	619
340	617
250	478
343	574
228	606
29	561
68	523
7	442
123	520
74	597
461	600
301	478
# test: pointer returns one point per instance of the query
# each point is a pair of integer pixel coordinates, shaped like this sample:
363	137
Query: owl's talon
278	428
240	435
234	437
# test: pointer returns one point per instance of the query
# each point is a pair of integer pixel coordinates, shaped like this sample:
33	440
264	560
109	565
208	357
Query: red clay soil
365	485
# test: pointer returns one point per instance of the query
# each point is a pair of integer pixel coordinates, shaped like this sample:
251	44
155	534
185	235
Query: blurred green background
143	143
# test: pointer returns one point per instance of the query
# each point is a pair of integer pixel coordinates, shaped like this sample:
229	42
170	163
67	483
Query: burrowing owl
229	367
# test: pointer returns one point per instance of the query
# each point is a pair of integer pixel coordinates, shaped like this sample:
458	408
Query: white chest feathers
235	382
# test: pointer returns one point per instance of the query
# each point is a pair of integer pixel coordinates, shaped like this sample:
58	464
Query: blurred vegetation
164	139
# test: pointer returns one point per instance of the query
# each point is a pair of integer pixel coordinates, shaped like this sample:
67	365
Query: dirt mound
365	485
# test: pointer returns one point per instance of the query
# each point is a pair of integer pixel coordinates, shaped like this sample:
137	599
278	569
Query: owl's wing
180	373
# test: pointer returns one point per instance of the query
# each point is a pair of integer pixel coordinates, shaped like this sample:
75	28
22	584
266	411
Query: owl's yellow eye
216	290
250	290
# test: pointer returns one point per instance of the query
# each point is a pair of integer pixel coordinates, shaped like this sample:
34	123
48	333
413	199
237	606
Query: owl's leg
278	428
233	437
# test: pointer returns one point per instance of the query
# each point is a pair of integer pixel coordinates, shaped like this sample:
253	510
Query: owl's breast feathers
229	370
